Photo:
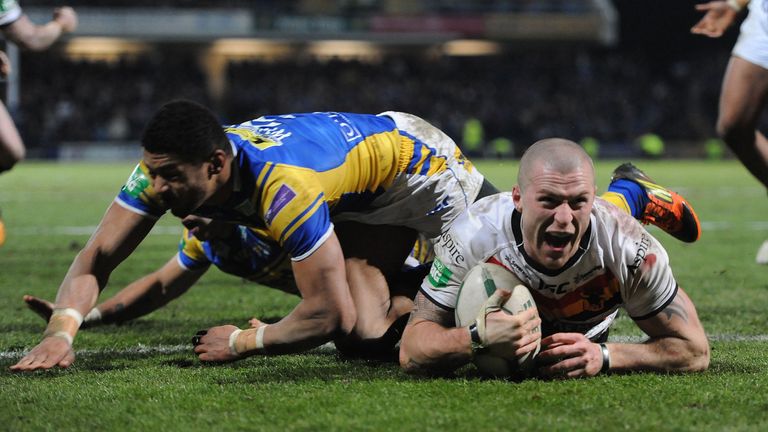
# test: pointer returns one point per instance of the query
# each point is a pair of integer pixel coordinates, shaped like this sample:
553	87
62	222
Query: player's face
183	186
555	211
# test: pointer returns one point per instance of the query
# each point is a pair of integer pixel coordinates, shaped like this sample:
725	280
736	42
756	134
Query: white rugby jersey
618	264
9	12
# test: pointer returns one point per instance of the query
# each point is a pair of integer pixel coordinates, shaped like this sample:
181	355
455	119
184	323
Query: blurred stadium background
494	74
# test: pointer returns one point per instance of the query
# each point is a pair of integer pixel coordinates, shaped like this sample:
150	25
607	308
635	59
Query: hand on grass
212	345
51	351
569	355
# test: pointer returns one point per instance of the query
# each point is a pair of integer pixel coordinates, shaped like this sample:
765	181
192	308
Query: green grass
114	386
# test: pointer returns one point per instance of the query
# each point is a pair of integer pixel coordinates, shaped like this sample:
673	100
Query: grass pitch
143	375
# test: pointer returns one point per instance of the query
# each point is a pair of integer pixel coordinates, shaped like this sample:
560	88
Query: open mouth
557	240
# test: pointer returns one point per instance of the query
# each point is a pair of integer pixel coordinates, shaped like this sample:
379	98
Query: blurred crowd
522	96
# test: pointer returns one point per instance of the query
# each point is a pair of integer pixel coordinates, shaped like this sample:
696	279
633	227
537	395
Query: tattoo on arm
424	308
677	307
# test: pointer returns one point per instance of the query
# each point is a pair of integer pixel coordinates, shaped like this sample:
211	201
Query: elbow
699	356
694	358
411	361
404	358
408	365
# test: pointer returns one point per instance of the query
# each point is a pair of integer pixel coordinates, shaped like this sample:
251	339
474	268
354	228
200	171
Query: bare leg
374	254
743	97
11	146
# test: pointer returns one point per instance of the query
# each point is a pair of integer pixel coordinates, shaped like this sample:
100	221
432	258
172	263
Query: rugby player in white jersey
745	85
582	259
389	178
17	28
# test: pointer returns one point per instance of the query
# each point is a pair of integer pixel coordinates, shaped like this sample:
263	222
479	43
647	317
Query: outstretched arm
31	36
118	234
718	16
326	312
677	343
141	297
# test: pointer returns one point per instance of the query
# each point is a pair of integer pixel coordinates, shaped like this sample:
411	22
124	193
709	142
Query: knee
734	130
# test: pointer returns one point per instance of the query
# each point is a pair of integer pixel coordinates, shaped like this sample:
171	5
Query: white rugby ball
481	281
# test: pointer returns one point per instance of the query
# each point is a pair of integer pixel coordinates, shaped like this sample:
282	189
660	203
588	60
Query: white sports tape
260	337
232	340
74	313
64	335
735	5
93	316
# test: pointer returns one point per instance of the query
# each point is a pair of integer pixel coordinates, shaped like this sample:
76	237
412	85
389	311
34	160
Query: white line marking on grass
329	347
143	349
712	338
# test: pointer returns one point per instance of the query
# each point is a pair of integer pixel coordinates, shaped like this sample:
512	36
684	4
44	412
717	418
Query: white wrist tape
735	5
260	337
93	316
64	335
70	312
233	340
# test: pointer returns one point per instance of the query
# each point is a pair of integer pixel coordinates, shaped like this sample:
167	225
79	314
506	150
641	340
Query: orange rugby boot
665	209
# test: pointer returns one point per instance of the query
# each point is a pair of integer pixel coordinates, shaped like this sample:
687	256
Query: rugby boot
665	208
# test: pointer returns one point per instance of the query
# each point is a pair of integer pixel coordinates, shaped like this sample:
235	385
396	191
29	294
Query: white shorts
752	44
427	203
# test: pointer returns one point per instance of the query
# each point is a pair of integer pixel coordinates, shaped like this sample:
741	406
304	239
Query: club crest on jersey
136	183
257	140
283	196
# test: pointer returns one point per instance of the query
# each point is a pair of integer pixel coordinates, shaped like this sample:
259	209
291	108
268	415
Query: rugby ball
481	281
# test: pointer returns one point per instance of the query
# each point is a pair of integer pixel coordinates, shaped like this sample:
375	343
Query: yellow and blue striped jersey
247	253
293	172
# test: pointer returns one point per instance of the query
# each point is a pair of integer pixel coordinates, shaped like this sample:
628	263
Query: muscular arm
428	344
28	35
677	341
118	234
677	344
326	310
149	293
141	297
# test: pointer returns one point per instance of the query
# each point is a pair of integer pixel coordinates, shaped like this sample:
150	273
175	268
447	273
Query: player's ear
517	195
217	162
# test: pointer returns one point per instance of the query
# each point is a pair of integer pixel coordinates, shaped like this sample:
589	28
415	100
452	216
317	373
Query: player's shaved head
553	154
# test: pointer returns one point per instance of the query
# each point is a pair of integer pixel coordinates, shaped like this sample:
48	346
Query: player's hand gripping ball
478	285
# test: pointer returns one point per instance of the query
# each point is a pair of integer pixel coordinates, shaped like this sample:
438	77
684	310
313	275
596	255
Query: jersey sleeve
139	196
650	285
294	208
191	254
456	252
10	11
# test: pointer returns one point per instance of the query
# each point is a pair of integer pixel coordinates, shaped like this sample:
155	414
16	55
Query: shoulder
487	215
480	230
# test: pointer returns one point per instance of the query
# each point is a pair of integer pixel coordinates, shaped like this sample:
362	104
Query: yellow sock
618	200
